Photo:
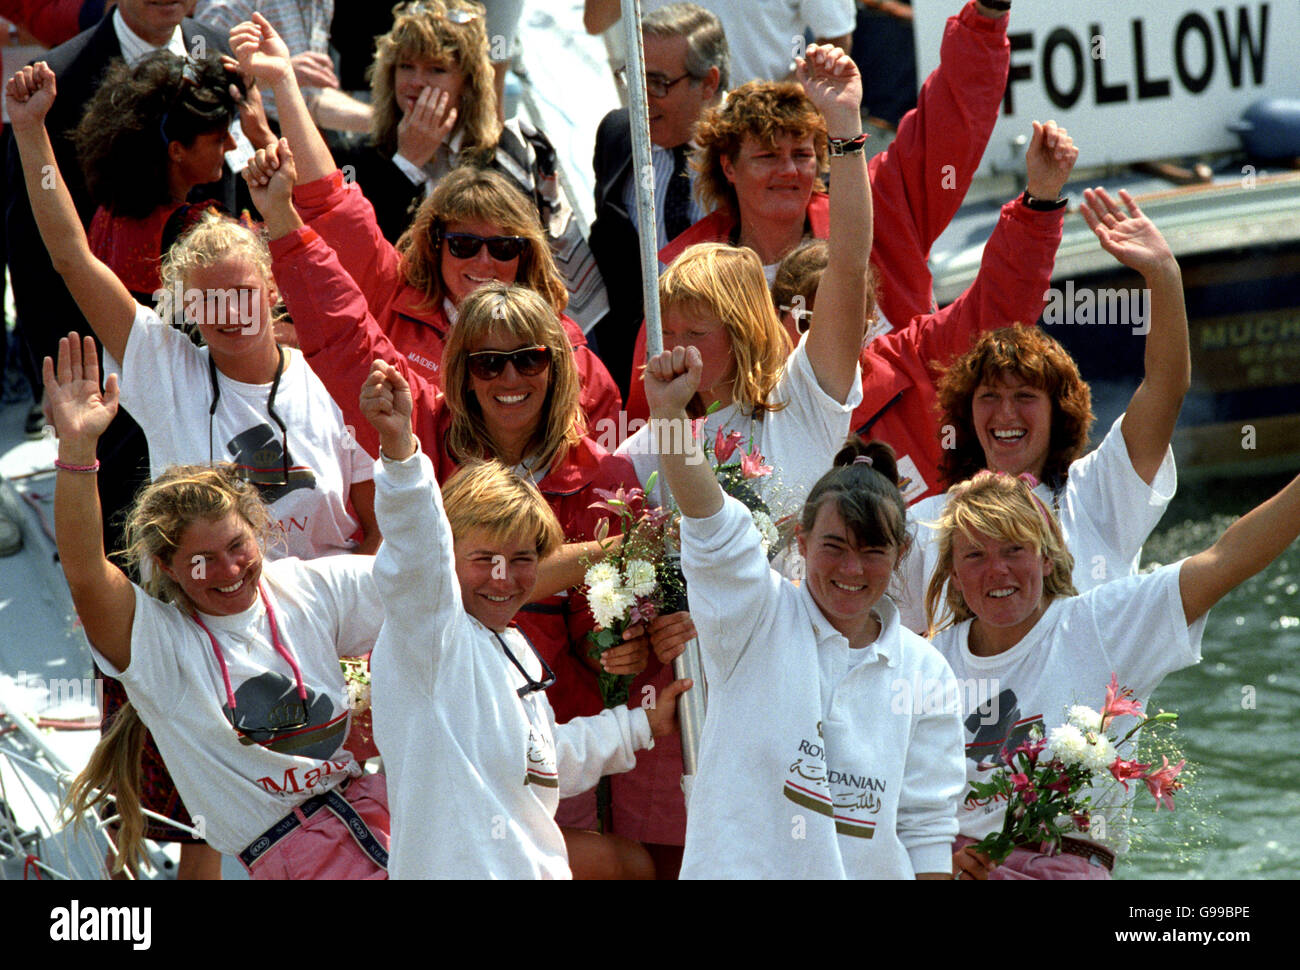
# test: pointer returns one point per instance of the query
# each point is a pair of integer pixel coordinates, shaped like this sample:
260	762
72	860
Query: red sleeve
1011	287
920	181
50	21
345	219
599	398
637	405
340	338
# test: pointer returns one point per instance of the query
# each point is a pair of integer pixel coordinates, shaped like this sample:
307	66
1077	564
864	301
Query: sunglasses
465	245
528	361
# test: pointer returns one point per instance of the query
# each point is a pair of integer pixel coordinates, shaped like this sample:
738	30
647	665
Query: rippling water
1240	711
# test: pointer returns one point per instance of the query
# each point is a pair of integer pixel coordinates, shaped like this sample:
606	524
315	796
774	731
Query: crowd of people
369	383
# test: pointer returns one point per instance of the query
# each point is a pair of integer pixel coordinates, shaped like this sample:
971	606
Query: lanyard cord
270	406
280	648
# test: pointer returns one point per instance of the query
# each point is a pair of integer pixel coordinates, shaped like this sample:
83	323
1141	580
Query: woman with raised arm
809	765
459	692
231	661
475	227
1015	403
264	409
1012	623
762	153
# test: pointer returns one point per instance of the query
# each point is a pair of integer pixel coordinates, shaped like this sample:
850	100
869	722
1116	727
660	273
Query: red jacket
900	368
340	338
917	185
346	221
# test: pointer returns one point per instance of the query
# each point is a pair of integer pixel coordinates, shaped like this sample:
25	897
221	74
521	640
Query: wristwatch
1043	205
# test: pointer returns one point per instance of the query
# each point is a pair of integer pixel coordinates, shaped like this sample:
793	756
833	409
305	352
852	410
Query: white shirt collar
134	47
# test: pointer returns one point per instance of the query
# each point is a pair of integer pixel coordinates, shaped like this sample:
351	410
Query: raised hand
426	126
29	95
79	410
1130	237
831	80
386	404
252	113
671	380
1049	160
271	176
663	712
261	53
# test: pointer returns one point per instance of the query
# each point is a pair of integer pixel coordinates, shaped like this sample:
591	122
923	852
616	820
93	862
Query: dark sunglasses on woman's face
465	245
528	361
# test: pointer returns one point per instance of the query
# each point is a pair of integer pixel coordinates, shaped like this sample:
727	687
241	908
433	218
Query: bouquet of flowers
632	583
737	477
1046	781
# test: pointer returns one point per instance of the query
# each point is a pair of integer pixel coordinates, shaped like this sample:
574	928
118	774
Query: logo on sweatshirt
849	799
540	767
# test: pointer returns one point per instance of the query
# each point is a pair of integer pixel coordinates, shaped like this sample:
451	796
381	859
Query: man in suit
686	63
45	308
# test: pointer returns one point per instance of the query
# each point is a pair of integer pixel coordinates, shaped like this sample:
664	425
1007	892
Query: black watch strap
1043	205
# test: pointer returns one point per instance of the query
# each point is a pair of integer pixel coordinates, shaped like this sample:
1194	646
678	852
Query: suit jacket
44	304
617	251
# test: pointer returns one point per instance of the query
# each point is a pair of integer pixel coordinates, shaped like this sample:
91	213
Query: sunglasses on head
528	361
465	245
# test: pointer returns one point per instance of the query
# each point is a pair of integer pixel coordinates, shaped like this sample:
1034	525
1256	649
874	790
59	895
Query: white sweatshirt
817	761
474	771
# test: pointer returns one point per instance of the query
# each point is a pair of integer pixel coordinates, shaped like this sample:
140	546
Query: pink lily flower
1082	821
1118	703
618	502
1062	784
1123	771
1031	749
1162	782
725	446
697	425
751	466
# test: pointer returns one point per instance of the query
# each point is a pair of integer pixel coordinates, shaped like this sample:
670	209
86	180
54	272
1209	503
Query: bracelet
64	466
1002	5
847	146
1042	205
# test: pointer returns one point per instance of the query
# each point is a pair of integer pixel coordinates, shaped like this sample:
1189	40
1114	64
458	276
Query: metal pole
690	706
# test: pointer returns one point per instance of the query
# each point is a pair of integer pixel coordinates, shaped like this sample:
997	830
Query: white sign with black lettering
1132	81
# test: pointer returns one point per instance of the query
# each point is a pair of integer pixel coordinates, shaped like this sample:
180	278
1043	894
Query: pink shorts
1023	864
321	847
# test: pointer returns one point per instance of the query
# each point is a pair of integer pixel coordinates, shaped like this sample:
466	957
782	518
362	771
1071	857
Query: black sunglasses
528	361
256	735
465	245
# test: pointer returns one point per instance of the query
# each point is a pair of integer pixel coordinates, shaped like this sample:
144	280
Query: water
1238	711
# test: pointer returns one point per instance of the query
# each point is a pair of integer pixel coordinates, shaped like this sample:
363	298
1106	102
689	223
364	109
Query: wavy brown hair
423	30
522	314
763	110
135	113
727	283
1003	508
1030	355
471	194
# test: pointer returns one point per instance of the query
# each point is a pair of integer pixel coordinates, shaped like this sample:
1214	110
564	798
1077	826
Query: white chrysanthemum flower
1084	718
640	576
605	601
1100	754
358	697
602	574
1068	743
766	528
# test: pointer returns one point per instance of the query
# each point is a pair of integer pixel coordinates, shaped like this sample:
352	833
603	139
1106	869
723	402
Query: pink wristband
64	466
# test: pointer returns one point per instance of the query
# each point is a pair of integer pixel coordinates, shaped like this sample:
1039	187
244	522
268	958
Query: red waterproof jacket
340	338
346	221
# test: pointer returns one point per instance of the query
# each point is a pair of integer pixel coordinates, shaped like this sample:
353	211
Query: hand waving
29	95
81	412
1049	160
1131	238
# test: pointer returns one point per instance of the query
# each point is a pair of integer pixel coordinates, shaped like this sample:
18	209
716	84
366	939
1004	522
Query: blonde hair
727	283
424	30
170	504
1003	508
113	771
522	314
155	527
478	195
214	238
489	496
